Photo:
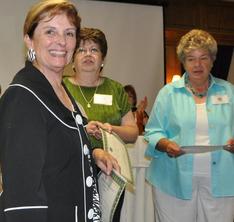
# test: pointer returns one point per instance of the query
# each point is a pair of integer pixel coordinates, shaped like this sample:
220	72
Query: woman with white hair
197	111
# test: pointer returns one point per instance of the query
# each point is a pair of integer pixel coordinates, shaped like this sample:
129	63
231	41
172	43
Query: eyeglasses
83	51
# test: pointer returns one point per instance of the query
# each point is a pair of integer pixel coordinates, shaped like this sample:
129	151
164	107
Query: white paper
117	148
110	190
203	149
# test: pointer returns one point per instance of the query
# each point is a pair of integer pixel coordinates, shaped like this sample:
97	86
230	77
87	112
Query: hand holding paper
230	145
105	161
117	148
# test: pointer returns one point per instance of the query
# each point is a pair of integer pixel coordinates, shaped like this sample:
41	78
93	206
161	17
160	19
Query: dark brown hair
129	89
95	35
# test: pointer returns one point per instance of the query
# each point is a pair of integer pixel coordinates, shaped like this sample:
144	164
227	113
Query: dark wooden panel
213	15
181	15
227	19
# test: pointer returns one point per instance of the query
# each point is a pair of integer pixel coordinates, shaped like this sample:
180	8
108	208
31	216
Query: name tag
102	99
220	99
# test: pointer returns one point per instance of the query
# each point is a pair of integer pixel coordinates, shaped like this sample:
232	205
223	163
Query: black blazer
45	155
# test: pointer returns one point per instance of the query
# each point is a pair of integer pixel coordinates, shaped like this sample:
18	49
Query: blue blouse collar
181	83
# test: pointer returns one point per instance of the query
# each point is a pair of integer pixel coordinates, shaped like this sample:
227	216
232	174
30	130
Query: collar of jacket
34	80
181	83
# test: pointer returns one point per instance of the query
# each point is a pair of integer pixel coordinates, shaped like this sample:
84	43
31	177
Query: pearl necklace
89	101
194	92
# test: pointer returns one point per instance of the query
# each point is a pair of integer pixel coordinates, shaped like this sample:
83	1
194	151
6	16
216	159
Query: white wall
134	33
12	15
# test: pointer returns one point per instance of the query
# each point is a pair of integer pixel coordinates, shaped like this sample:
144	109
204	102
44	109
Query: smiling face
54	41
88	57
198	64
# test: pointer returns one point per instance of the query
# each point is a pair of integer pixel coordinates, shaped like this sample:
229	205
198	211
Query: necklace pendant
88	105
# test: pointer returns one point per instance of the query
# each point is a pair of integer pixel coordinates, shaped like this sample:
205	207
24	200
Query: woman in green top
102	99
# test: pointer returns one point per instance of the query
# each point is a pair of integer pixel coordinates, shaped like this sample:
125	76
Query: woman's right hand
93	129
171	148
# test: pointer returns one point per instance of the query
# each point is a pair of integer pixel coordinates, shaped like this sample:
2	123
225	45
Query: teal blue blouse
174	117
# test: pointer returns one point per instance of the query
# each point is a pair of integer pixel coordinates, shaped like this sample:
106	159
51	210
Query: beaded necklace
194	92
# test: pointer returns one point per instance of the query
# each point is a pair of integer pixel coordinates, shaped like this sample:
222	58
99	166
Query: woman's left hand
106	126
105	161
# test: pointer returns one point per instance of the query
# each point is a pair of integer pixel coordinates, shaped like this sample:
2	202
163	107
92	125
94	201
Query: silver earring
102	65
31	55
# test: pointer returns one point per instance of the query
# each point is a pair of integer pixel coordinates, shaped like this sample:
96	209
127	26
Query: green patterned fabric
103	113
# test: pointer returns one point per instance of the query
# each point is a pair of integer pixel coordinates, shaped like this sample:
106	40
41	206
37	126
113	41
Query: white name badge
220	99
102	99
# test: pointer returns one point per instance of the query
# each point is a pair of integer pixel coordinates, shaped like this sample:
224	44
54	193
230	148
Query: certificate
203	149
110	190
117	148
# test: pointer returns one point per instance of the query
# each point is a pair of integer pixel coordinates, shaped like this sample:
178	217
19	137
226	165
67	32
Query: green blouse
104	113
